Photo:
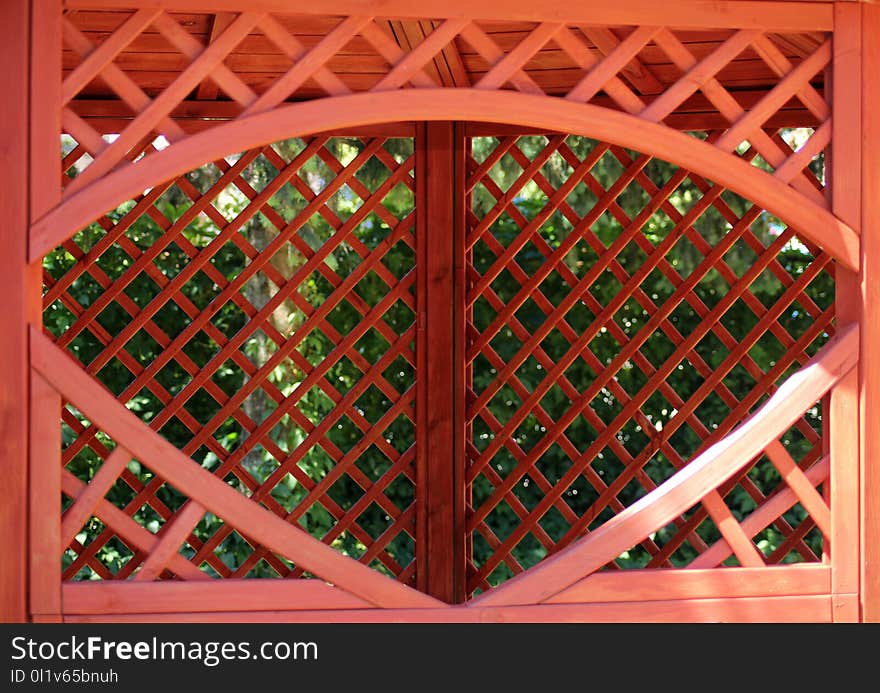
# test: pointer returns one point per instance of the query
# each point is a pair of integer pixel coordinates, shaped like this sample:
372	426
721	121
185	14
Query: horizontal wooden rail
701	476
66	375
789	609
776	16
814	223
685	583
215	596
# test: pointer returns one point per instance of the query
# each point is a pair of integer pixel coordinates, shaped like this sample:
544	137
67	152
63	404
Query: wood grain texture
83	598
208	490
869	372
814	222
15	57
772	16
788	609
703	474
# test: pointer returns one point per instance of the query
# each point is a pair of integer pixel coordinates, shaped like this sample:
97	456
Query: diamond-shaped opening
400	200
372	345
606	406
528	551
316	347
505	172
345	491
530	373
581	433
502	520
373	463
685	441
504	404
233	550
288	492
580	496
528	492
372	404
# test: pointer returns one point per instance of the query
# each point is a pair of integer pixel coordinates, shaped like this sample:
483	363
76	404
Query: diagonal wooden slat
415	60
308	65
607	68
129	530
205	488
673	497
99	58
170	539
85	503
514	60
162	105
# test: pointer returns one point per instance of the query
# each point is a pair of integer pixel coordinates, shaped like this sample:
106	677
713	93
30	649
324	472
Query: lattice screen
259	314
623	314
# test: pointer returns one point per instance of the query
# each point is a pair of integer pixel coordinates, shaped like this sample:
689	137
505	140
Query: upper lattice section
147	73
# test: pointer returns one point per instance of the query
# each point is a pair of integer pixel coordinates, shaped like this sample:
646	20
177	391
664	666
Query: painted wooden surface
787	609
676	495
641	84
205	488
14	113
869	374
767	191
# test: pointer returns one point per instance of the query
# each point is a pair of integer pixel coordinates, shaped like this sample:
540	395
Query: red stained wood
642	81
869	374
780	16
702	475
14	114
83	598
814	222
786	609
442	573
650	585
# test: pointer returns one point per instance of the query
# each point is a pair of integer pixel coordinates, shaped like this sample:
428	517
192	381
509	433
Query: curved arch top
525	110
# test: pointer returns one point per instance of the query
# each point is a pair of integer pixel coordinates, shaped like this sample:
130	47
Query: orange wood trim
130	531
82	598
788	609
45	499
869	374
170	540
814	222
164	459
86	502
650	585
45	428
705	473
14	281
766	513
771	16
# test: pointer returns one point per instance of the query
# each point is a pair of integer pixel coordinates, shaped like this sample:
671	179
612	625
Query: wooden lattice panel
258	313
623	315
147	64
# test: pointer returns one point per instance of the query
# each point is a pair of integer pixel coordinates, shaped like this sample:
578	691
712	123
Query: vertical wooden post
45	403
869	373
843	410
14	59
440	540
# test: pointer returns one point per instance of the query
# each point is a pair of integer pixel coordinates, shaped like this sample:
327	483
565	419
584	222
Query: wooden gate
465	316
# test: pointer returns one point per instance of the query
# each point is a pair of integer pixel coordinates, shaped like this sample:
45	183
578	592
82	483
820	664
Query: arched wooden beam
292	542
809	219
686	487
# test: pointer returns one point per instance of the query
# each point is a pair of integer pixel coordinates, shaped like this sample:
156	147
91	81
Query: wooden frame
815	59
